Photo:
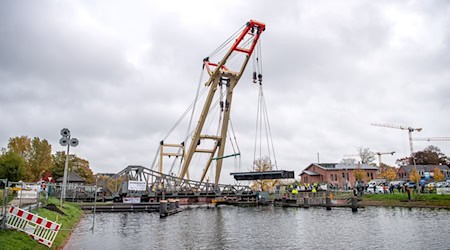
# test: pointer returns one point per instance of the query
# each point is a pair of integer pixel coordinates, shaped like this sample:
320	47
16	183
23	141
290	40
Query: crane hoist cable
262	117
197	94
226	42
181	117
211	118
269	133
241	47
215	52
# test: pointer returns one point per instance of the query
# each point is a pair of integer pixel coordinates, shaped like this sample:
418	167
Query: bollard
354	204
328	203
162	208
177	203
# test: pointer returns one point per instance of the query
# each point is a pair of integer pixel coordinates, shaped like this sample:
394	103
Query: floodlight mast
220	74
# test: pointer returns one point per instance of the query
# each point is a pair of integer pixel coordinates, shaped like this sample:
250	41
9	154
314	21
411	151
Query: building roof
72	177
340	166
311	173
424	168
337	166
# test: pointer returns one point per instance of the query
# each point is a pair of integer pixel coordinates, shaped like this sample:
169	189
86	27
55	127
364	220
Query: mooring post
328	203
354	204
163	208
171	204
95	209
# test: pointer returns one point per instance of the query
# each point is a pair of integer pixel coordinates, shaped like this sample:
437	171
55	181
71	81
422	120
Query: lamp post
66	141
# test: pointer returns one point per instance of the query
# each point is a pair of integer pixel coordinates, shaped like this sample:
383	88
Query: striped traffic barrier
40	229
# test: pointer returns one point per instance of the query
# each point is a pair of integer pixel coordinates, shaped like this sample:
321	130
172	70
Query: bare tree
366	155
348	161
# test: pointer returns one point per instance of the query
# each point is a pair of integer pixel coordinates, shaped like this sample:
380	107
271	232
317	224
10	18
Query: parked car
441	184
411	184
378	190
397	183
376	182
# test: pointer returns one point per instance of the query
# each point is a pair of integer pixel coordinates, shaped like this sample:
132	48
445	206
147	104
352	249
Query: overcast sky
119	74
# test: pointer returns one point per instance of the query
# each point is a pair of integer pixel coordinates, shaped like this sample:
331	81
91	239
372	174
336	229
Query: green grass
12	239
404	196
417	200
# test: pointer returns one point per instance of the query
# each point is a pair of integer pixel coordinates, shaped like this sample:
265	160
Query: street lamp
66	141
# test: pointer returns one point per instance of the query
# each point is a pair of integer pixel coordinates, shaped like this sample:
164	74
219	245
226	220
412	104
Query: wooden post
354	204
328	203
163	208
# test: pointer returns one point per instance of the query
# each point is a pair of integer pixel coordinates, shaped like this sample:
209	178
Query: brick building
337	174
425	171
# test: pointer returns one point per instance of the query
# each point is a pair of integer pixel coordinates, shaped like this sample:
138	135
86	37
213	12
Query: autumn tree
58	162
12	166
360	174
76	164
36	154
414	176
114	184
431	155
40	159
387	172
82	168
262	165
438	175
20	146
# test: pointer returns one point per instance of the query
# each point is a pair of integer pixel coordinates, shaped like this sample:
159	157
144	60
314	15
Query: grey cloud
329	71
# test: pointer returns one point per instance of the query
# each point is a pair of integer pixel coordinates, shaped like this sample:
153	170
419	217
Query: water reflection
267	228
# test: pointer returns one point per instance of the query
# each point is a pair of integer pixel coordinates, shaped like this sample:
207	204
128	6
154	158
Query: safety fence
39	228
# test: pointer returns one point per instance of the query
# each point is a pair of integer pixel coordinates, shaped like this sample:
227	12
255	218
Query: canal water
230	227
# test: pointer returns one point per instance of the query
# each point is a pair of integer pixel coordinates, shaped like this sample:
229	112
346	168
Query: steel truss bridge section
169	186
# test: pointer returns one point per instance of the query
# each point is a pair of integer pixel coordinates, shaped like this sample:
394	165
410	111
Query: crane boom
396	126
431	138
383	153
409	129
220	75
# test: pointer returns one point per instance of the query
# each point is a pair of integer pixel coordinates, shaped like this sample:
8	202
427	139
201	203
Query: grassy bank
401	200
12	239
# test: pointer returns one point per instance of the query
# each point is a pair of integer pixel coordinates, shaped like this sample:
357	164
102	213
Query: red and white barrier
40	229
